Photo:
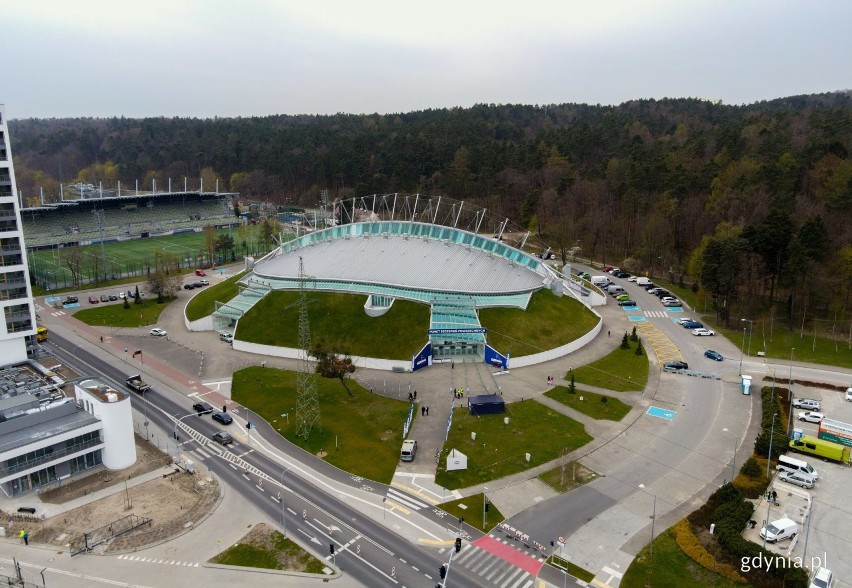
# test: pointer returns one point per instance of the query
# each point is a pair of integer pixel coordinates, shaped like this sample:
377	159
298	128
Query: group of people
424	411
25	536
458	392
550	381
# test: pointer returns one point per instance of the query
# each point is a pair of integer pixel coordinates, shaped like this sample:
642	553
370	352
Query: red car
93	300
200	272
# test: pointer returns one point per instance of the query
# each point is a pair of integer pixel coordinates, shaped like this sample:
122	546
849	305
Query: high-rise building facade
18	324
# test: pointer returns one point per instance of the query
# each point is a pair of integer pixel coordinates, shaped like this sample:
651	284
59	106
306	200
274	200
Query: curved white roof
404	261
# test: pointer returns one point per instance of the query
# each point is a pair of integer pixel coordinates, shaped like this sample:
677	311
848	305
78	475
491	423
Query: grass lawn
622	371
670	567
340	320
597	406
361	435
572	475
115	315
549	321
471	510
266	548
499	448
820	350
204	302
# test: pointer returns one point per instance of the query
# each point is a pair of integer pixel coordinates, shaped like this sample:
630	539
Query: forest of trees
752	202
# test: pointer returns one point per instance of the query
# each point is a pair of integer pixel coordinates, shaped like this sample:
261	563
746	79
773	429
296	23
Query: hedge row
691	546
774	401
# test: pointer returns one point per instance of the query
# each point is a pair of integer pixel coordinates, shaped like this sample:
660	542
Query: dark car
222	437
113	297
197	285
714	355
621	274
131	294
104	298
676	365
202	408
70	300
223	417
692	325
663	293
627	303
650	285
93	300
188	287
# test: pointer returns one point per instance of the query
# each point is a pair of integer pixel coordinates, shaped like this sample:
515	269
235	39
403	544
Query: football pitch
132	258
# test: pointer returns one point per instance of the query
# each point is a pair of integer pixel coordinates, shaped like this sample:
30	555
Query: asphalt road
365	548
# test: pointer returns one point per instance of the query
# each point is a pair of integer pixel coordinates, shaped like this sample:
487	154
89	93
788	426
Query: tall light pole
742	350
484	506
790	396
771	435
653	520
733	457
791	371
750	327
177	443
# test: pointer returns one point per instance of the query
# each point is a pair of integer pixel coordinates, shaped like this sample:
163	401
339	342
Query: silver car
797	478
806	403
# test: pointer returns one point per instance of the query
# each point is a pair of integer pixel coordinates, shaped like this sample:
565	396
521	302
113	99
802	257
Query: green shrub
604	398
751	468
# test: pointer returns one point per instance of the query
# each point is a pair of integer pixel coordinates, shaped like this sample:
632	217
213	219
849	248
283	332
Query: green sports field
133	257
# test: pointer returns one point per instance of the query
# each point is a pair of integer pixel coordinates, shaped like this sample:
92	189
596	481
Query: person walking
26	538
422	411
21	535
427	411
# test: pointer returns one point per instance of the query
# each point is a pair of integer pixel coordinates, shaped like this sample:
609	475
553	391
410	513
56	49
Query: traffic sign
561	540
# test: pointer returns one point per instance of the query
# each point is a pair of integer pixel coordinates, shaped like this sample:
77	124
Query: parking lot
826	538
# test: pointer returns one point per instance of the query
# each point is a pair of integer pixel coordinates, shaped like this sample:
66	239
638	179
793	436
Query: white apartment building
18	326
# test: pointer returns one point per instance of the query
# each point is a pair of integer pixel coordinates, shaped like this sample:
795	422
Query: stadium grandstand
131	215
454	257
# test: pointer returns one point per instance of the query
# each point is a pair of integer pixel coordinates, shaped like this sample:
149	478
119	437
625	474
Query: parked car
113	297
200	272
676	365
848	394
622	274
714	355
222	437
627	302
131	294
809	416
684	319
122	295
631	279
104	298
667	298
202	282
649	285
692	325
202	408
672	303
93	300
223	417
157	332
226	337
823	578
701	332
188	286
621	297
70	300
653	289
807	403
663	294
197	285
797	478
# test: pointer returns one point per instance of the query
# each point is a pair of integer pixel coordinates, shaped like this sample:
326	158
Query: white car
810	416
158	332
703	332
631	279
807	403
848	394
823	578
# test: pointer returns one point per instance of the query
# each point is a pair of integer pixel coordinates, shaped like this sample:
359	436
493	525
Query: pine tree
634	336
625	343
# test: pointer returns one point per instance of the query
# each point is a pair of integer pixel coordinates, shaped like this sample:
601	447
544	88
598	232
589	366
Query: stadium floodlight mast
100	215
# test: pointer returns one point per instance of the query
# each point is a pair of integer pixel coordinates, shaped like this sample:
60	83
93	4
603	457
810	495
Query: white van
615	290
779	530
791	464
600	280
642	281
409	450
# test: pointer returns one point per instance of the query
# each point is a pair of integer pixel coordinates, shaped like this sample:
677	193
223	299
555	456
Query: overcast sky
254	57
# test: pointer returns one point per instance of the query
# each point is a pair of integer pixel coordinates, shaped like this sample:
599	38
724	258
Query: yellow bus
41	334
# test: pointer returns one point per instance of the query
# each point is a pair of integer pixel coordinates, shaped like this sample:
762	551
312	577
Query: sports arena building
436	251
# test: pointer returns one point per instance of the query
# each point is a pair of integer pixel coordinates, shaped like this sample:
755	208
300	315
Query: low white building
112	408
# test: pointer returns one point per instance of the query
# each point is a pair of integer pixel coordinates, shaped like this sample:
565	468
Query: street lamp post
750	327
177	443
653	519
742	351
771	435
790	396
484	506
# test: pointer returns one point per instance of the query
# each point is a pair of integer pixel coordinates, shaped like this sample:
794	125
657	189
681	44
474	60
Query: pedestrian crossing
406	500
498	564
158	560
656	314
